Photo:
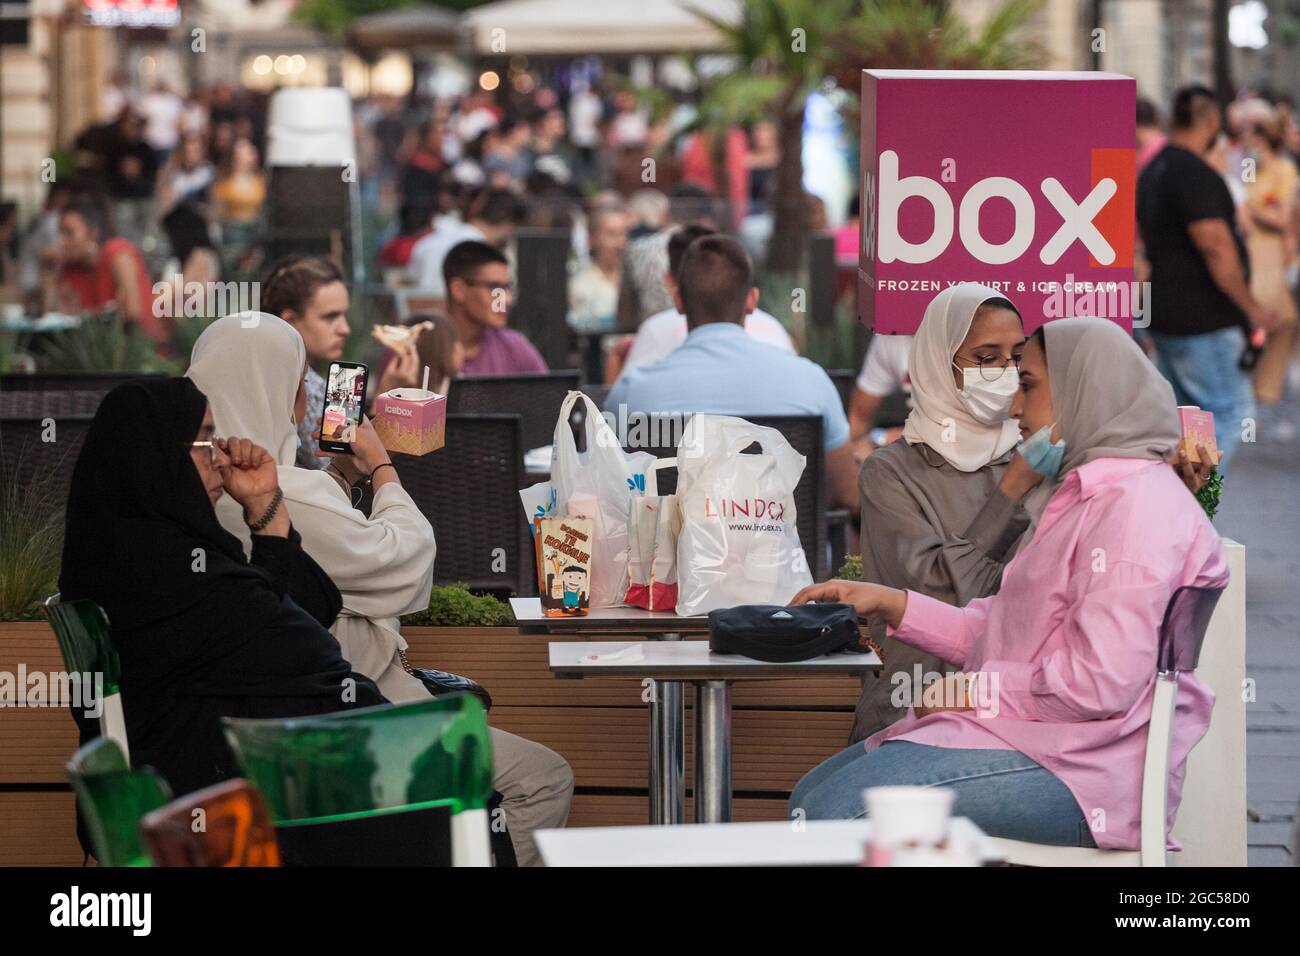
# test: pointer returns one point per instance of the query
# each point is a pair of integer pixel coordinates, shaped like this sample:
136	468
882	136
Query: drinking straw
425	387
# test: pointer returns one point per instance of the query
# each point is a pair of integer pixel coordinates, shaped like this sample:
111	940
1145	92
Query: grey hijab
1110	401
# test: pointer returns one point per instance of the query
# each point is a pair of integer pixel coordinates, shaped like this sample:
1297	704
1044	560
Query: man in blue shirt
722	370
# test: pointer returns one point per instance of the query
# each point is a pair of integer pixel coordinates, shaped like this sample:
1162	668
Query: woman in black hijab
201	632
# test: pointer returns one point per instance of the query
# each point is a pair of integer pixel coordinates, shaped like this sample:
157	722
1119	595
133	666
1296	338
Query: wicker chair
844	380
535	399
25	404
28	460
469	491
101	382
804	433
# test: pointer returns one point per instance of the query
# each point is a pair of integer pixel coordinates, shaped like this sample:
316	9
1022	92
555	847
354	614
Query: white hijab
938	417
249	366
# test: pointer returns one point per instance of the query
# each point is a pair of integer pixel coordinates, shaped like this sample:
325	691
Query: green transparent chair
113	798
82	630
400	784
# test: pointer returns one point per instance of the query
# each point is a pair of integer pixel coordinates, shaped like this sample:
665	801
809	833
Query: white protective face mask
988	402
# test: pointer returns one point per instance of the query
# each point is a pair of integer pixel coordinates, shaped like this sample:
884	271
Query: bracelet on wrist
387	464
271	509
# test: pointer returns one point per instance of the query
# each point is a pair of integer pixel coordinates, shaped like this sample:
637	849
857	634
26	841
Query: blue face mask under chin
1041	454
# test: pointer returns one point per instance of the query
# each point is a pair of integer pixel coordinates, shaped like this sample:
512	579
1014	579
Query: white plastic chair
1182	632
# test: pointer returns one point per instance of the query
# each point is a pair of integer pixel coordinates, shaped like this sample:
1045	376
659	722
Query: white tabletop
684	660
779	843
528	614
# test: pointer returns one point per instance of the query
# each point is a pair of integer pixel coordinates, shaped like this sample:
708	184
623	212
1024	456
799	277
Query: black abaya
202	633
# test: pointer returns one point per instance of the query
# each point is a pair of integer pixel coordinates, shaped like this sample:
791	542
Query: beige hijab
938	417
1110	400
249	366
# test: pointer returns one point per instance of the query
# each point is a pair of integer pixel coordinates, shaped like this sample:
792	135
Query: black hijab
139	522
201	633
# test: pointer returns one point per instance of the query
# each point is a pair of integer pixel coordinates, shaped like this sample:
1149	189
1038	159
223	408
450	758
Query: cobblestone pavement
1261	509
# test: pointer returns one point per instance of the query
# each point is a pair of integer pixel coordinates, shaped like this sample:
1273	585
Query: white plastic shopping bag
604	478
539	501
739	542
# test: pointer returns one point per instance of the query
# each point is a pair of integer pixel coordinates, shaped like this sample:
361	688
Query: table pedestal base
713	751
667	752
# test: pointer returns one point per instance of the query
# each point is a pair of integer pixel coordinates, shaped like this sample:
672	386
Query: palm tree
787	48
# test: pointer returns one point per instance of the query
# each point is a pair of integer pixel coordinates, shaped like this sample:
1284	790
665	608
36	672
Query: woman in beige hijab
251	367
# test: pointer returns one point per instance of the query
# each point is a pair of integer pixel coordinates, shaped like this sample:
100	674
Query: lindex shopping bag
599	483
739	542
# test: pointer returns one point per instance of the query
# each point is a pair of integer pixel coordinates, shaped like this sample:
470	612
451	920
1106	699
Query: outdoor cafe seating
778	728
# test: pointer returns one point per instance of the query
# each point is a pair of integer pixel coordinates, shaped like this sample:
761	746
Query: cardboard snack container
412	421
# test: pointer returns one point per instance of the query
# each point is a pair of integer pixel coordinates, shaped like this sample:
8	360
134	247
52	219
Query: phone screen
345	401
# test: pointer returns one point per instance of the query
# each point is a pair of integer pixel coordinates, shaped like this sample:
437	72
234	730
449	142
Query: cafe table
666	665
774	843
712	676
667	711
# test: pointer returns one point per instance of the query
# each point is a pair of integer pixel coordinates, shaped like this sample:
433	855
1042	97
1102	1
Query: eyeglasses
211	446
508	288
992	366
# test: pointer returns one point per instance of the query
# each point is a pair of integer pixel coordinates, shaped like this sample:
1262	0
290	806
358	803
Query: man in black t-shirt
1200	306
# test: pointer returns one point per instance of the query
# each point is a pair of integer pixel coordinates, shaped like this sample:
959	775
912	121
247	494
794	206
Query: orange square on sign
1117	221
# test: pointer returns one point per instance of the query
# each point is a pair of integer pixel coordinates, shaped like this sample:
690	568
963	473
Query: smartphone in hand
1197	426
345	401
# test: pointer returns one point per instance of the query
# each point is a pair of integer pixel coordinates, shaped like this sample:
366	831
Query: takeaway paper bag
652	553
663	567
564	564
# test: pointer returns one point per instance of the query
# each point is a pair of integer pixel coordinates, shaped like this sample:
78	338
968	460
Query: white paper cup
908	815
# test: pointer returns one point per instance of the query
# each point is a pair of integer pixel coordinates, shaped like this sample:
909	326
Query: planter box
781	730
37	822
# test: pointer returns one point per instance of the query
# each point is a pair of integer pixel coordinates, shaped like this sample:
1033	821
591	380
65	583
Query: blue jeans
1203	370
1002	791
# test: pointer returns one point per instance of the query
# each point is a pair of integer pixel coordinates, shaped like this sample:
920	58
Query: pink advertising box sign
1023	181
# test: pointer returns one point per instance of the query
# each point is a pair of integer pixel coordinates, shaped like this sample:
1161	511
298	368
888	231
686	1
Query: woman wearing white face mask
942	508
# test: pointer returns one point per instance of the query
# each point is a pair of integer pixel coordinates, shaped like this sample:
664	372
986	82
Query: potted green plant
473	635
104	345
31	545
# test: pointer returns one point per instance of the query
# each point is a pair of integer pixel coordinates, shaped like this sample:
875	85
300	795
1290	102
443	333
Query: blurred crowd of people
162	186
613	174
1219	215
167	187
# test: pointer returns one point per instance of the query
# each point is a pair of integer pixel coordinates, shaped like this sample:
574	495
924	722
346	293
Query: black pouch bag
781	635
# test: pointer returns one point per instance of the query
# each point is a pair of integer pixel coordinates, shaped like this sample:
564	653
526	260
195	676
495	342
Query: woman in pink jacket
1043	733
